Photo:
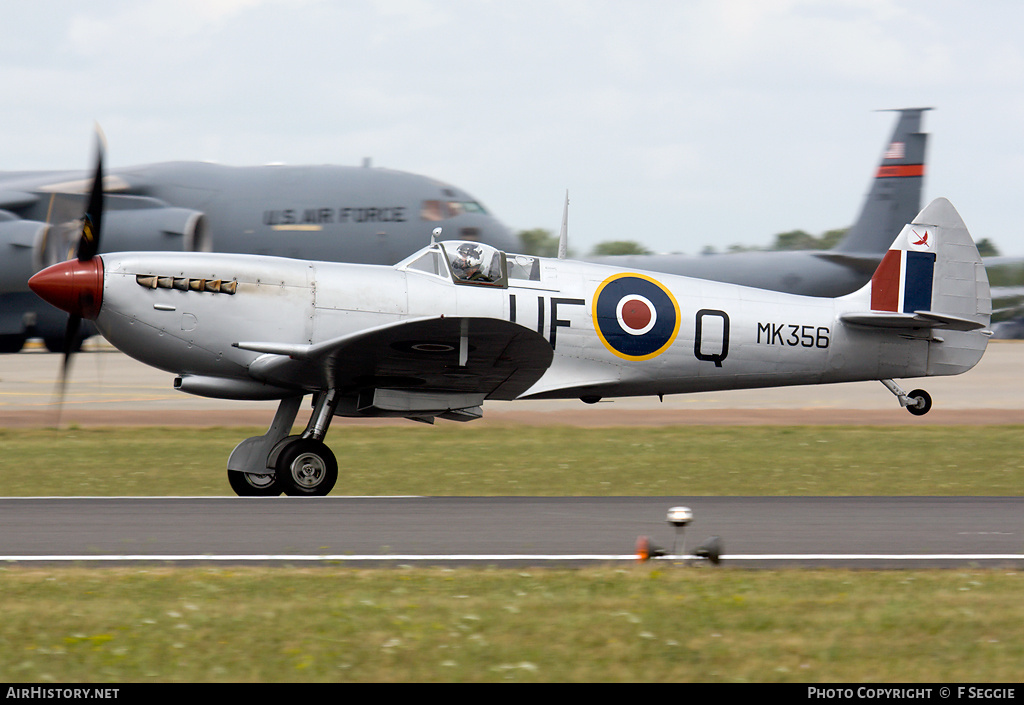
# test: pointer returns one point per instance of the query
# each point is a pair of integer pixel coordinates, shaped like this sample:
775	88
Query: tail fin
931	277
895	195
931	288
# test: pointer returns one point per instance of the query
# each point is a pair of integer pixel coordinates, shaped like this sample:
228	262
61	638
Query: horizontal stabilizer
918	319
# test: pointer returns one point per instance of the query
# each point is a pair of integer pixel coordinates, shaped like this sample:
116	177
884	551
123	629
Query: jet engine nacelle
160	229
20	244
135	224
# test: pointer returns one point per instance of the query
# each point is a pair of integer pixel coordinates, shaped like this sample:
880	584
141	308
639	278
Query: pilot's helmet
468	257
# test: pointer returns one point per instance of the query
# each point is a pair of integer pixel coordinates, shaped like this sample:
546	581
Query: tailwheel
307	467
920	402
250	484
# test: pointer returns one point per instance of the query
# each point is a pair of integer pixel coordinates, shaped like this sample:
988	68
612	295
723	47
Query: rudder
931	285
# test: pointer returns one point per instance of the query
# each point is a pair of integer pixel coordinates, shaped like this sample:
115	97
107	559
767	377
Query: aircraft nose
72	286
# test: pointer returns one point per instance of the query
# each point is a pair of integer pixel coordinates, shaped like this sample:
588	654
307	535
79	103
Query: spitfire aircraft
341	213
459	322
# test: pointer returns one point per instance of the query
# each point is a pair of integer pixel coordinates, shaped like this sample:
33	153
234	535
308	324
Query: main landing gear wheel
249	484
307	467
920	402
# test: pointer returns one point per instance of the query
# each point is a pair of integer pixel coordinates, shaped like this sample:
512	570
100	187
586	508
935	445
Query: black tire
307	468
12	343
922	402
253	485
56	345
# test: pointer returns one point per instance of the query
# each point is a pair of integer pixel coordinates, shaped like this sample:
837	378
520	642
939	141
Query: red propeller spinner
72	286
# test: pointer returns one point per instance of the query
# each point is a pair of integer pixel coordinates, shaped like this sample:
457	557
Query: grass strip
460	460
635	623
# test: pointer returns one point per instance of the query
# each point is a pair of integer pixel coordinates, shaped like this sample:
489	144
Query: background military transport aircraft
460	322
336	213
893	200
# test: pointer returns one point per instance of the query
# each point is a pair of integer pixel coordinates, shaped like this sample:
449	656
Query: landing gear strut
918	402
275	462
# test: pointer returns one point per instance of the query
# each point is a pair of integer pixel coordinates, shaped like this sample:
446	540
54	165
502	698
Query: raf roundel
635	316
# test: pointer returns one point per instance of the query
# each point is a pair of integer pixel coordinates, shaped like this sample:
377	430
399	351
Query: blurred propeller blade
70	343
89	242
88	246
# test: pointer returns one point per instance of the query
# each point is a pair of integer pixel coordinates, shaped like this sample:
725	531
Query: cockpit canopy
473	263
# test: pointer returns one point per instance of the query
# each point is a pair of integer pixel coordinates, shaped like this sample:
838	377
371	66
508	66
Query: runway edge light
679	517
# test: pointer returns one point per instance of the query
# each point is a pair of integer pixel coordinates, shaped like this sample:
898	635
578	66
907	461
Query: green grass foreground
460	459
639	623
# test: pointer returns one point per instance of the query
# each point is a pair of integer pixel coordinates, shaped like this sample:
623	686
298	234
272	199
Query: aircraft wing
12	200
490	358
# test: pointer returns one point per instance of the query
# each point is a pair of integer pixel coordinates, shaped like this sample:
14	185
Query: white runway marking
403	558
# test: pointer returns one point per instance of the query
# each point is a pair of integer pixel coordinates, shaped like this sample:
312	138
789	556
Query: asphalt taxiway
876	532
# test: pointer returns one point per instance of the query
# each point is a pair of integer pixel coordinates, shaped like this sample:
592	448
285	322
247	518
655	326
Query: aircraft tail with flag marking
895	194
931	285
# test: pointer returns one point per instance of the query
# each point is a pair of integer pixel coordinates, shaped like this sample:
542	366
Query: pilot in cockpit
467	264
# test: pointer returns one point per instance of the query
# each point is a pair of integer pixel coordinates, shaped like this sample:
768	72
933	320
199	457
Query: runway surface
807	531
106	388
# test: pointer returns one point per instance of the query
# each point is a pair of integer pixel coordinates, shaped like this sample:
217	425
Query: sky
678	124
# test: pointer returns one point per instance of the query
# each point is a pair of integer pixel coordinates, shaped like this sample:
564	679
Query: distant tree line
544	243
